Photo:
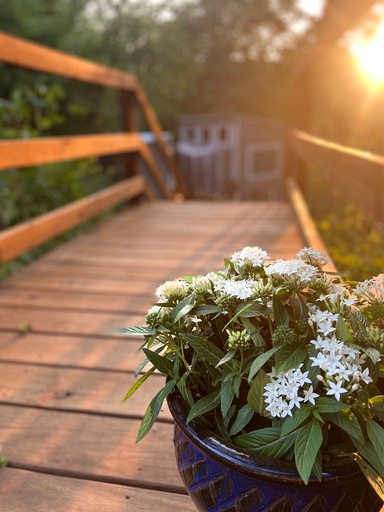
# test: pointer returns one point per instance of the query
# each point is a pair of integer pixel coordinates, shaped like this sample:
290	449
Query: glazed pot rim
234	457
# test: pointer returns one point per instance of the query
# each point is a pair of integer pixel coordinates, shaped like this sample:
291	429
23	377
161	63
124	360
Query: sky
313	7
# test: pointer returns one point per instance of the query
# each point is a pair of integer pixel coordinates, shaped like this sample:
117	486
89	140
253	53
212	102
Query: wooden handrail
25	54
311	148
38	151
364	167
30	234
23	153
22	53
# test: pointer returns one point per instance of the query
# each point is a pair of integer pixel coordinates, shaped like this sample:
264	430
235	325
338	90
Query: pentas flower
312	257
285	391
323	321
172	290
241	289
202	284
340	366
249	257
338	302
371	290
291	272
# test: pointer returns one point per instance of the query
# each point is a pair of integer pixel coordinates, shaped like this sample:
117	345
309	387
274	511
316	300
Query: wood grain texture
30	234
55	350
98	446
20	52
30	152
36	492
74	389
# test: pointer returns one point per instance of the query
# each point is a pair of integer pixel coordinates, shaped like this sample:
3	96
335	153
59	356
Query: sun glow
370	55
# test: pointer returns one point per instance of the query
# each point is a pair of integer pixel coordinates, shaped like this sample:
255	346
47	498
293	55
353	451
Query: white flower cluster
286	391
172	290
241	289
324	322
312	257
249	256
295	272
338	300
341	366
371	290
202	284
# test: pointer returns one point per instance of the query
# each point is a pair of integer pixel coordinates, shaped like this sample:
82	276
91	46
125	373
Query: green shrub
355	241
28	192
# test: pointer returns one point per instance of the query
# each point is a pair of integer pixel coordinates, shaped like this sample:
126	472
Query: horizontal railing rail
16	153
341	161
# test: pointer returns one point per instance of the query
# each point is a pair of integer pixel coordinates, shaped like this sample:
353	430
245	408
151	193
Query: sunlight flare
370	55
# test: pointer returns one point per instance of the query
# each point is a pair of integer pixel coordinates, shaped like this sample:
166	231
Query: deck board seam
153	486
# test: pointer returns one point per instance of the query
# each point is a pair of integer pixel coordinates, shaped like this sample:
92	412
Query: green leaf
307	445
280	314
255	397
138	383
253	329
256	439
227	395
137	330
280	446
328	405
163	364
290	356
204	348
292	422
228	356
347	422
377	404
376	435
373	354
342	331
205	404
3	462
300	308
267	442
206	309
318	466
182	309
375	312
153	410
243	417
260	361
250	310
371	475
369	453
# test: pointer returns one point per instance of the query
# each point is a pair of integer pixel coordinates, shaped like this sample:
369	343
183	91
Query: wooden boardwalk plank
24	491
75	389
118	354
65	367
99	447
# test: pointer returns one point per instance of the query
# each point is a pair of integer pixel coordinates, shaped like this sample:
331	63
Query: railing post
129	123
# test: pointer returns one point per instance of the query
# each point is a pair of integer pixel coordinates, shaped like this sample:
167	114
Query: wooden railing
357	171
21	153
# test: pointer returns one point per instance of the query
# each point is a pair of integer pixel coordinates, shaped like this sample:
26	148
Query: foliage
278	358
25	193
355	241
28	192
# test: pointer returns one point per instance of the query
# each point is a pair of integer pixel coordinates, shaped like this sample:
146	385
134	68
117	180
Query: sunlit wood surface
65	368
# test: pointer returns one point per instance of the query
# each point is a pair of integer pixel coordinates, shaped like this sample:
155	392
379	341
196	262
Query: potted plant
273	376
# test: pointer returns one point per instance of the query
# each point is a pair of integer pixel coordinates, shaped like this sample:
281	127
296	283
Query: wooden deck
65	369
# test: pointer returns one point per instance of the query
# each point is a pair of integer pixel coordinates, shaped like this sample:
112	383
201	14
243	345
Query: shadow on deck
69	439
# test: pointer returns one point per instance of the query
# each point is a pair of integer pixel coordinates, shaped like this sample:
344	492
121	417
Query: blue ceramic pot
220	478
